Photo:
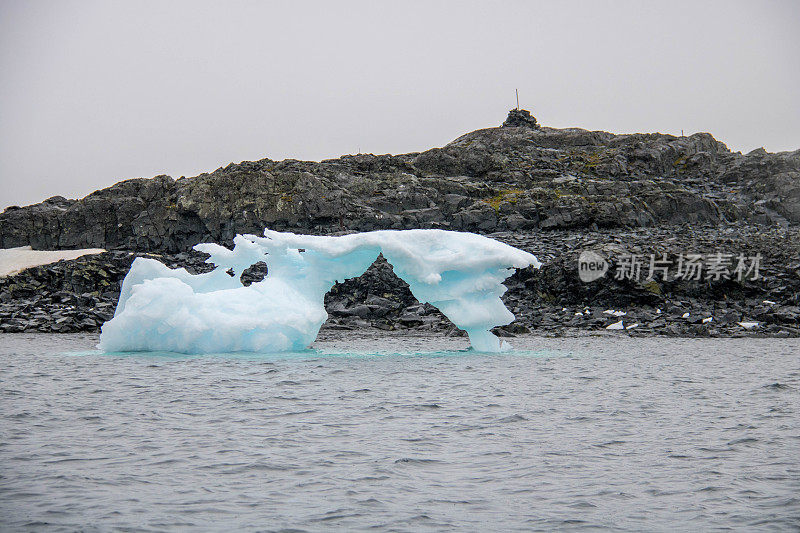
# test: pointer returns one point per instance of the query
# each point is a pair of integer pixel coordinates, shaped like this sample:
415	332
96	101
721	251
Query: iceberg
164	309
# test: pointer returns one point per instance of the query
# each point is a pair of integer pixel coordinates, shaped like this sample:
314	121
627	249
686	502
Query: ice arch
170	309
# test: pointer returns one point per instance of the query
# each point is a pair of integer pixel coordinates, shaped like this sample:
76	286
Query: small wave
293	413
338	514
777	386
512	418
746	440
609	443
411	460
582	505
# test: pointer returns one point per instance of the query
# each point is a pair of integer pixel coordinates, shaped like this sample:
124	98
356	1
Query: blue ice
163	309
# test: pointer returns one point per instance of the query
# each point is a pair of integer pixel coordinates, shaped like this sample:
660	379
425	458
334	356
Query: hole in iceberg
380	299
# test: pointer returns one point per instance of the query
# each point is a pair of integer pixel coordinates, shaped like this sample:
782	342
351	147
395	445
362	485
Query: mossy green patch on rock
504	195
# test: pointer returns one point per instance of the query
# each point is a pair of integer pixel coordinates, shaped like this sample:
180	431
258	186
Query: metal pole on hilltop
517	91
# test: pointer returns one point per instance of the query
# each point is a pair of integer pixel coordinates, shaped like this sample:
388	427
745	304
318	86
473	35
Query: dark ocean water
403	434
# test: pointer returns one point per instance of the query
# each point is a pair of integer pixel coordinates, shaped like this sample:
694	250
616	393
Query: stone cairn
520	118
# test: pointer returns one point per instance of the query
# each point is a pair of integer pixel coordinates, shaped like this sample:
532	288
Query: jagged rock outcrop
496	179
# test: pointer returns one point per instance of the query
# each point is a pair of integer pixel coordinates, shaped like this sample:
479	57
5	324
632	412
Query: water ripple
356	434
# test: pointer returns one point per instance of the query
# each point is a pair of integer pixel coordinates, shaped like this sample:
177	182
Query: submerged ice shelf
167	309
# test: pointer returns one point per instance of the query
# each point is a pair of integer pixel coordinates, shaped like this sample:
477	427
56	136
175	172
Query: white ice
13	260
160	308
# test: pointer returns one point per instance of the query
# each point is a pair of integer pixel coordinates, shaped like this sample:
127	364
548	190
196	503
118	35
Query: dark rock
520	118
730	317
362	311
380	302
410	319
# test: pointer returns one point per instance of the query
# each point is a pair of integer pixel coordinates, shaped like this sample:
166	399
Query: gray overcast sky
95	92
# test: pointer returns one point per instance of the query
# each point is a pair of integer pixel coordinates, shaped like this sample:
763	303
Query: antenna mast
517	91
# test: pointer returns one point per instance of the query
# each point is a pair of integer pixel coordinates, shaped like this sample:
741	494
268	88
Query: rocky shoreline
79	295
553	192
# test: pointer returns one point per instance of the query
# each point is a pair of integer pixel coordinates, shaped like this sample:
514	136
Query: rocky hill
552	192
516	177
